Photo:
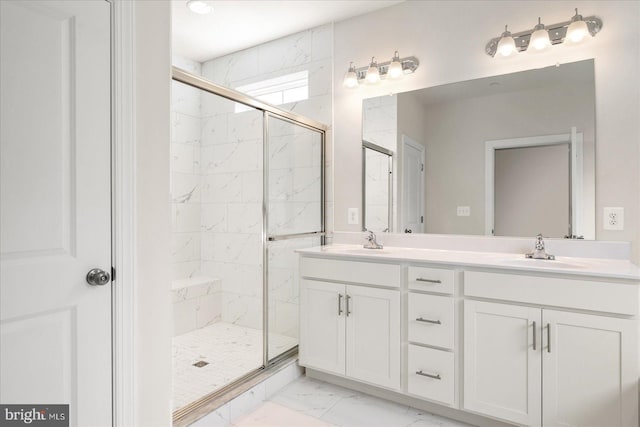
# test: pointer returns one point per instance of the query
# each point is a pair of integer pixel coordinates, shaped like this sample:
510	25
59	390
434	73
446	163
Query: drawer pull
420	279
435	377
435	322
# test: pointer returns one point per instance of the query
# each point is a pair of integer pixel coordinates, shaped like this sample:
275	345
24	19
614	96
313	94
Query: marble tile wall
185	174
231	155
216	174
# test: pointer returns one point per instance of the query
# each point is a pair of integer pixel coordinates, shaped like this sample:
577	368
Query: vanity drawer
562	292
431	320
437	363
351	271
431	279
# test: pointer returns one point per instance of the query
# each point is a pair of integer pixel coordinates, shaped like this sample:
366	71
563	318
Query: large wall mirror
492	156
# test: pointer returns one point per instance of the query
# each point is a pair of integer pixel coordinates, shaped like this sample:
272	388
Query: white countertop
596	267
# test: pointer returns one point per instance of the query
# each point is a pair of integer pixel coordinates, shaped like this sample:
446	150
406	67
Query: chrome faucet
538	250
371	241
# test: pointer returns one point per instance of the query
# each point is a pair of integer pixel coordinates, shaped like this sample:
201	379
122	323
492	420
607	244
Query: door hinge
113	274
421	219
421	167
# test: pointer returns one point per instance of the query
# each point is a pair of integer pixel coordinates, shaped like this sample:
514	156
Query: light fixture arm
409	65
557	33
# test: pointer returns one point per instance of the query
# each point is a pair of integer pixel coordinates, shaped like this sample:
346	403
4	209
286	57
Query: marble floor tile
311	403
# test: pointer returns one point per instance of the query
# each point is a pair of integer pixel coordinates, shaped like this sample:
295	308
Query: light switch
352	216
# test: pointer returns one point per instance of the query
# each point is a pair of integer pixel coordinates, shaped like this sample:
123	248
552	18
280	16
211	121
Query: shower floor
231	351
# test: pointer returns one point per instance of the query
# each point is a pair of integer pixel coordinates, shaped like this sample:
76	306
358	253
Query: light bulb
507	45
350	78
199	6
395	70
577	30
540	38
373	74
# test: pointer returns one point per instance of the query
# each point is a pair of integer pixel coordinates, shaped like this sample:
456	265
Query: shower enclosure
247	191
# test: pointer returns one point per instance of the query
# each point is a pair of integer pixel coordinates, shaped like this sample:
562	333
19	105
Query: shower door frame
268	111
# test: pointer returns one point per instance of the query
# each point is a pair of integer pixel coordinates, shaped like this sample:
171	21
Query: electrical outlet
352	216
613	219
464	210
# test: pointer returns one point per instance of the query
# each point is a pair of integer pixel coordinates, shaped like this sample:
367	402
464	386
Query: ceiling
239	24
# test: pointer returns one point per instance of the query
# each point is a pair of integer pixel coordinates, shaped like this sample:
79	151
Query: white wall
152	314
450	46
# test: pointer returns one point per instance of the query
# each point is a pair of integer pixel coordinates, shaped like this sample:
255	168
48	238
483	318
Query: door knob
408	230
98	277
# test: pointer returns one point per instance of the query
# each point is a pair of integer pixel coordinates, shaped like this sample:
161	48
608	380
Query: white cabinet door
502	369
55	206
322	326
373	335
590	370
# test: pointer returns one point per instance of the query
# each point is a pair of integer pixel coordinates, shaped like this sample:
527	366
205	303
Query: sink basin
541	263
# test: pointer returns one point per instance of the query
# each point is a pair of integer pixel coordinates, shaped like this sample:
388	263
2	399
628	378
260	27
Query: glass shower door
295	219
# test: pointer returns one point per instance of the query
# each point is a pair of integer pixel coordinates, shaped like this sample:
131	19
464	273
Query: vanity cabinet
539	366
349	329
495	345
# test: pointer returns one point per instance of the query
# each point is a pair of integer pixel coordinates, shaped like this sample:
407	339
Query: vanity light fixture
506	45
572	31
374	72
200	7
578	29
395	68
540	38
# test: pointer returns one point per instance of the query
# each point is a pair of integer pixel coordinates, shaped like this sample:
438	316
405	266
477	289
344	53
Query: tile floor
307	402
231	351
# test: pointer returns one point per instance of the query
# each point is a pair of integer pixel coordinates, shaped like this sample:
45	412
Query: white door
55	329
502	361
412	205
590	370
322	325
373	335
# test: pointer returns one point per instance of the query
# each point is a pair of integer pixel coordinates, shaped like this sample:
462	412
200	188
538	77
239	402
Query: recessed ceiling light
199	6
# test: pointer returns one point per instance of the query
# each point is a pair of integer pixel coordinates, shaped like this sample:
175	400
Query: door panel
55	206
412	211
502	370
373	335
322	324
590	370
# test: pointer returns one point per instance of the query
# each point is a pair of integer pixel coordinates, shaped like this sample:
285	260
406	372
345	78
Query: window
280	90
